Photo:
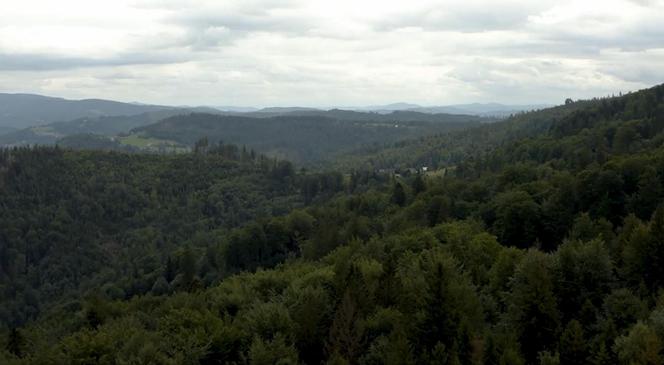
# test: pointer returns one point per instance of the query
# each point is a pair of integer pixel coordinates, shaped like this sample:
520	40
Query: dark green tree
15	343
398	195
573	345
418	185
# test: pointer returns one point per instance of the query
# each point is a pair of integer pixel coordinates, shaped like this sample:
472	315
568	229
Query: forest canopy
535	240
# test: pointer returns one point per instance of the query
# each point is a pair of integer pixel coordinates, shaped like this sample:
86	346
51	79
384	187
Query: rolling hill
49	134
26	110
304	136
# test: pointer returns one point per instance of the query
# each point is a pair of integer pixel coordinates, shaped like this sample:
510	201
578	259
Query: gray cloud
465	17
314	52
237	18
48	62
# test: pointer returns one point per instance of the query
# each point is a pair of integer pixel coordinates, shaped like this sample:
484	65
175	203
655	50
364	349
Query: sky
330	52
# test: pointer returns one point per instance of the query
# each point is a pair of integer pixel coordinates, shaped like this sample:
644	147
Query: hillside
448	150
542	247
73	219
49	134
25	110
304	139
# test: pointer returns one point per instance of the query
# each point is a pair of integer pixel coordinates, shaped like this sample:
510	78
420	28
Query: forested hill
72	221
27	110
305	138
608	121
544	250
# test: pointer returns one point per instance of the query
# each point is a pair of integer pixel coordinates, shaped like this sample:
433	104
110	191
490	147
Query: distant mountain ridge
20	111
482	109
478	109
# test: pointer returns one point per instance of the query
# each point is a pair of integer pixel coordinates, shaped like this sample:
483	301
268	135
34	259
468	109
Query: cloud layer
322	53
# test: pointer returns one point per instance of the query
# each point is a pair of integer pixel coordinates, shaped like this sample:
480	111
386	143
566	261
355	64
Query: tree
398	195
272	352
441	322
644	252
169	270
547	358
491	353
311	311
625	136
650	192
517	219
399	350
418	184
346	332
573	348
511	357
640	346
439	208
201	146
622	308
300	224
533	309
15	343
160	286
187	267
283	170
582	273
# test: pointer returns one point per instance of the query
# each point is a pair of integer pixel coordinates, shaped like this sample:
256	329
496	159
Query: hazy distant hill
488	109
27	110
384	108
101	125
5	130
236	109
479	109
285	109
357	115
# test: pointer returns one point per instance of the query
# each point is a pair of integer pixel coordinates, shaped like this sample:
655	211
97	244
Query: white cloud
320	52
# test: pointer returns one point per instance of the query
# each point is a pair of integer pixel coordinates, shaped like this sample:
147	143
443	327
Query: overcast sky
330	52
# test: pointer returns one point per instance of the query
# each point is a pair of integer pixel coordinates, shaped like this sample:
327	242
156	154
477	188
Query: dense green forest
536	240
306	137
448	149
78	220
